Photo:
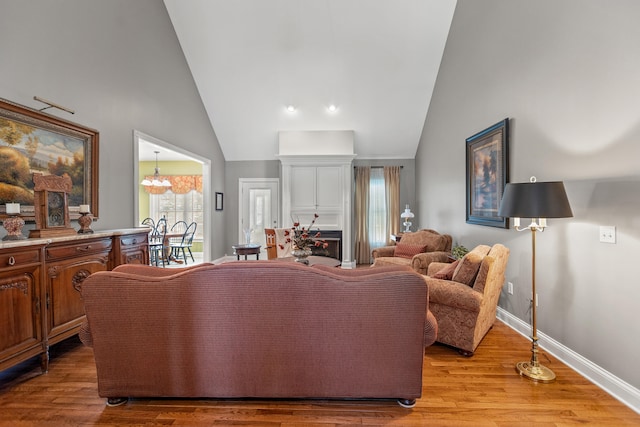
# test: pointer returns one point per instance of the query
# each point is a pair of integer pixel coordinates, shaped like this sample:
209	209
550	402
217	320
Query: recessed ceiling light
291	108
332	108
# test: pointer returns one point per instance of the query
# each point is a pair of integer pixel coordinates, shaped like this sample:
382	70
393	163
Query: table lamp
407	215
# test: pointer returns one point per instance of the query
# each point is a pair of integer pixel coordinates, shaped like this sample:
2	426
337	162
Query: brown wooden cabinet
40	284
21	306
67	265
131	249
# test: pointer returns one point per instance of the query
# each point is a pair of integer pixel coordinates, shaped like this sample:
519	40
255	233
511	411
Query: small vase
301	255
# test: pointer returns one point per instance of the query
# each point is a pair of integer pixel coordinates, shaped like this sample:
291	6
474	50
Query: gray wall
566	73
119	65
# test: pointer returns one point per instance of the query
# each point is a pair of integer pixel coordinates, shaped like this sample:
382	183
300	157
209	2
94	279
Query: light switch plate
607	234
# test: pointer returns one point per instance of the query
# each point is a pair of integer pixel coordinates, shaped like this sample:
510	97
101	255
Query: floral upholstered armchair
417	250
463	296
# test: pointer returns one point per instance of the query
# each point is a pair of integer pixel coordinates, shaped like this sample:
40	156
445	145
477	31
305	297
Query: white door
259	208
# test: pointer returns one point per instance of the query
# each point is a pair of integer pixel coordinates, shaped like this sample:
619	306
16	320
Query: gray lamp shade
535	200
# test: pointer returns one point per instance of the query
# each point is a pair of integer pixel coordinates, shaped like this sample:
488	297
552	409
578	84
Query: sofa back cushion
467	269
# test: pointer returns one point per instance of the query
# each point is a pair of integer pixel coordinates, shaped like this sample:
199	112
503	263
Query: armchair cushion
447	272
467	269
408	251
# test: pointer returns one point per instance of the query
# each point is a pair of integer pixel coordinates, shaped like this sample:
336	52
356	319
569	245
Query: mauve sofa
258	329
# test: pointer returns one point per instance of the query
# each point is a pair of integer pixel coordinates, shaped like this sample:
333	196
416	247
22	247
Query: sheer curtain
392	200
377	208
378	235
363	250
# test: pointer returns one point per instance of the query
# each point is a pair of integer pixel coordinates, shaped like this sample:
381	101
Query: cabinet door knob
86	248
12	260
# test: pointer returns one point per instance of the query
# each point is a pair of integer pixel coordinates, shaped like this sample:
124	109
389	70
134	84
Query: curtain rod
375	167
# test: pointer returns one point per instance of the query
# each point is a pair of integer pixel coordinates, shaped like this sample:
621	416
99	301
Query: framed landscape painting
33	141
487	174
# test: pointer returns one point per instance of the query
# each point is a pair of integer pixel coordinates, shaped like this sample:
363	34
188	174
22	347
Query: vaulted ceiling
376	61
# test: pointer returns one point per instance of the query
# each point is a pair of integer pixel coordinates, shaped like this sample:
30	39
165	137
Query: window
377	209
179	207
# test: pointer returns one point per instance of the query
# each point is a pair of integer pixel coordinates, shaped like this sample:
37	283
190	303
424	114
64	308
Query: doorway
144	147
259	209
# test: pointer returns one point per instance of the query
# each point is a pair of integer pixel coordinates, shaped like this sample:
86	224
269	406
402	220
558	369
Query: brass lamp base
535	372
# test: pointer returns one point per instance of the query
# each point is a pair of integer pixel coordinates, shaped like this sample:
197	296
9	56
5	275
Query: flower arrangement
301	239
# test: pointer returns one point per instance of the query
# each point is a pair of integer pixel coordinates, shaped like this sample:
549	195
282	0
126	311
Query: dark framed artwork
35	142
487	174
219	201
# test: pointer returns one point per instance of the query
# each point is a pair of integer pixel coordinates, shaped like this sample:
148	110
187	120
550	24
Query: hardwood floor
483	390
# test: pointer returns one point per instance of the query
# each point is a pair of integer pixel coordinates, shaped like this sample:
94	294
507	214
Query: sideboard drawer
17	259
78	249
133	240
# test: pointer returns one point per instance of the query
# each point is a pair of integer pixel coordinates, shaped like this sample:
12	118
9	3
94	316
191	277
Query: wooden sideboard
40	283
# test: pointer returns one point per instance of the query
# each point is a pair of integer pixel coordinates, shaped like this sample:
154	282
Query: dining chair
149	222
178	228
157	242
185	243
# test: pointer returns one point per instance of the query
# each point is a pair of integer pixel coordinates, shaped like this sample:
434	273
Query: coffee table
314	260
246	249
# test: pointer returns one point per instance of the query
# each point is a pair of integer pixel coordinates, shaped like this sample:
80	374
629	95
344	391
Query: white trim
206	184
613	385
241	182
345	162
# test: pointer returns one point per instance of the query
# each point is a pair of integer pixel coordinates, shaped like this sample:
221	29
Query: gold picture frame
31	140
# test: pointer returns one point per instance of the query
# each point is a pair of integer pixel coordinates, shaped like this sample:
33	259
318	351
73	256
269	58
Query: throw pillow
447	272
408	251
467	270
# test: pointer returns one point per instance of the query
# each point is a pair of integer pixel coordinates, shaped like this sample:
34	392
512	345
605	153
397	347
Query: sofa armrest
420	262
383	251
430	329
453	294
85	334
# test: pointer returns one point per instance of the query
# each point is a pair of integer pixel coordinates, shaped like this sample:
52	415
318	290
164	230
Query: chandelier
156	177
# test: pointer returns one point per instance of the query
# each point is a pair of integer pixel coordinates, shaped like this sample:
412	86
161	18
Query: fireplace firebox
334	240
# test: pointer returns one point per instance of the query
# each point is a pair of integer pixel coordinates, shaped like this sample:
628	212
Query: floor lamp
538	201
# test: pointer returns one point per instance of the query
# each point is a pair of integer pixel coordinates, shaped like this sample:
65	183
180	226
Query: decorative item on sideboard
14	223
85	220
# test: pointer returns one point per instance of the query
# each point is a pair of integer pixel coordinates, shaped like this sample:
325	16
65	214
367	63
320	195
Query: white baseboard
226	258
348	264
613	385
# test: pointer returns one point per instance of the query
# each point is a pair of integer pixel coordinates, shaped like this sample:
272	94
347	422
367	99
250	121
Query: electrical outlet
607	234
510	288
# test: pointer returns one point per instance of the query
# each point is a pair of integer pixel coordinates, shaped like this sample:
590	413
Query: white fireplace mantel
317	177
